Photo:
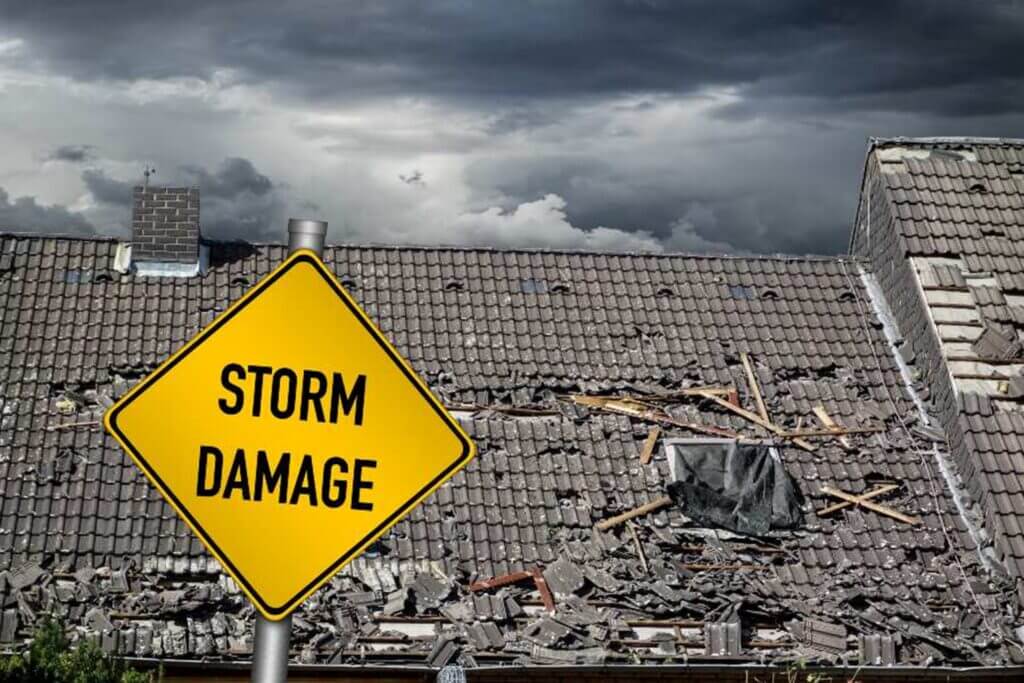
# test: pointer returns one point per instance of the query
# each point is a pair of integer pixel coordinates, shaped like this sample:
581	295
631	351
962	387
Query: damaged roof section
942	221
551	547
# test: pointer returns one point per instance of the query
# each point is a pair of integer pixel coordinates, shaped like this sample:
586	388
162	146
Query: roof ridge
944	140
465	248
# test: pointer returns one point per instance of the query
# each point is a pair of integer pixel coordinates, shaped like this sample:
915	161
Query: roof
502	337
957	206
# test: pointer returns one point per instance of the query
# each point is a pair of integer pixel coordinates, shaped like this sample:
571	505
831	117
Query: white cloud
543	223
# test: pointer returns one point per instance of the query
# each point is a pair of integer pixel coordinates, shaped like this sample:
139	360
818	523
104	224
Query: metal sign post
270	646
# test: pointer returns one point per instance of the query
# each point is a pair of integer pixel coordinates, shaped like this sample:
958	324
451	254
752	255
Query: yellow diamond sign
289	434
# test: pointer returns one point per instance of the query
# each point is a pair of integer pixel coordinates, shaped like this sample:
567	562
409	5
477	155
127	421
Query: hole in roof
239	281
742	292
454	286
977	188
560	288
530	285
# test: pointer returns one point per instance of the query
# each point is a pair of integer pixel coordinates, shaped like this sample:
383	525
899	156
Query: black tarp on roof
738	486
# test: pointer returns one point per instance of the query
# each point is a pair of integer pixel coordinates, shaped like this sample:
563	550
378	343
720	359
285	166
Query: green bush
52	659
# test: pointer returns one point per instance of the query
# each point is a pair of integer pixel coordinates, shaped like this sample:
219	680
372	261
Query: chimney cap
304	233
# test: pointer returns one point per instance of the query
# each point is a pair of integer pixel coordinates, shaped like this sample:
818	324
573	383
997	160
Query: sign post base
270	650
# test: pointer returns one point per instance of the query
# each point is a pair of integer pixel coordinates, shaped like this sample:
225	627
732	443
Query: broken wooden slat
649	445
756	419
863	496
499	581
73	425
826	419
689	391
644	509
535	574
640	410
754	388
543	589
874	507
639	547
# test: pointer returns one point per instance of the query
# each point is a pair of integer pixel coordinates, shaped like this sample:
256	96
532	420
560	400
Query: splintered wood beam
829	423
644	509
639	546
874	507
756	419
643	411
542	587
535	574
863	496
499	581
650	444
689	391
73	425
748	368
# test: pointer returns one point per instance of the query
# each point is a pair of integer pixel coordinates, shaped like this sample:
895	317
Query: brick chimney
165	231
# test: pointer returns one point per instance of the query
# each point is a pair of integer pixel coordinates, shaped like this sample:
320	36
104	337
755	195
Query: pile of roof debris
651	583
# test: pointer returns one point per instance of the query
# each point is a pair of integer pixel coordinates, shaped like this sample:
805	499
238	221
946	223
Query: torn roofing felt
741	487
506	564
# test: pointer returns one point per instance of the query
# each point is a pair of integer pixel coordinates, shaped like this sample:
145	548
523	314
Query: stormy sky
623	125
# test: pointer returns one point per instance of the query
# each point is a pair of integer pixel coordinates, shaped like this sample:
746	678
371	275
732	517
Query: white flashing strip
881	309
123	264
953	483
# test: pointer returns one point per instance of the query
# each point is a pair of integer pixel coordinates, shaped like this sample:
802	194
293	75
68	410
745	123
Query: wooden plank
642	411
649	445
639	546
863	496
543	589
756	419
73	425
644	509
689	391
748	368
829	423
499	581
874	507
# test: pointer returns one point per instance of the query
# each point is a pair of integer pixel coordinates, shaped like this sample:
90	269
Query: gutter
422	672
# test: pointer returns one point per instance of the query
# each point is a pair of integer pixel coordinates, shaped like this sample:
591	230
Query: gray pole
270	649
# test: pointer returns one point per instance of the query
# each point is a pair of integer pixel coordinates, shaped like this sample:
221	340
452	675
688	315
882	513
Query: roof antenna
146	173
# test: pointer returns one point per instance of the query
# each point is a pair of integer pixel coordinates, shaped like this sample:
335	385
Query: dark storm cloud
234	177
107	190
75	154
25	214
958	58
820	75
